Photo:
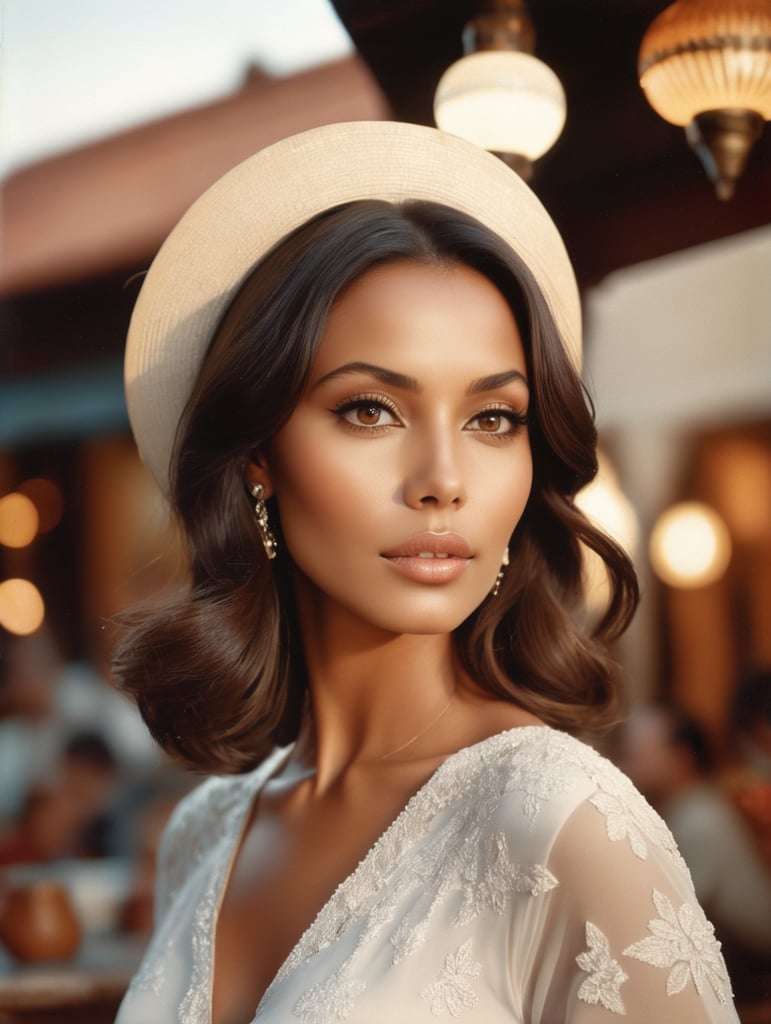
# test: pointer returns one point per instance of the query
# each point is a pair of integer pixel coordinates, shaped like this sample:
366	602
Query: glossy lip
436	543
406	558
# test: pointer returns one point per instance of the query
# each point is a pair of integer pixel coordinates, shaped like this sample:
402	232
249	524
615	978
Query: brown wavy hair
218	672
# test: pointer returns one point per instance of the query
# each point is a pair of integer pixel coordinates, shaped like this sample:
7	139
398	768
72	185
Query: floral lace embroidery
196	829
620	823
453	992
538	772
206	828
152	974
536	763
333	999
480	869
629	816
195	1003
514	761
684	941
440	844
443	862
606	977
500	878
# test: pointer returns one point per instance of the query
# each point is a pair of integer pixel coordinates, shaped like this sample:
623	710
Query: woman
364	341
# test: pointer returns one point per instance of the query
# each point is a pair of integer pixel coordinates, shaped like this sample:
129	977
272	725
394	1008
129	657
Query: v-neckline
421	794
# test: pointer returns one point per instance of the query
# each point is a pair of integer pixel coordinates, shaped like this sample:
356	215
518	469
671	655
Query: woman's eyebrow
391	377
496	380
407	383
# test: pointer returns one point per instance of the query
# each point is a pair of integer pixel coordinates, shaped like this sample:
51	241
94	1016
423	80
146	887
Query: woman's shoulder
211	813
533	780
546	815
545	762
200	812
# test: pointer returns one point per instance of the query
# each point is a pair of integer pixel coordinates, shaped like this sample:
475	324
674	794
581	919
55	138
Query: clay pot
38	922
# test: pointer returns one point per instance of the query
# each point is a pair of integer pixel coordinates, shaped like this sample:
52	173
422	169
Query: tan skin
366	463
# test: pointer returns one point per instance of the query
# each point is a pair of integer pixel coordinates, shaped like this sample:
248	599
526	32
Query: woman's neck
384	702
374	696
367	707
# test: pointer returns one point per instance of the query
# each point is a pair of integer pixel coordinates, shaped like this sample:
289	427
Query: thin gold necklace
418	735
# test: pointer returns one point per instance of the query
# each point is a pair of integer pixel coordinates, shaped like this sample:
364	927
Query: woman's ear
257	472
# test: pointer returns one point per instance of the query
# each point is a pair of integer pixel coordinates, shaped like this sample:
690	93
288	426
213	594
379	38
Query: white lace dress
526	881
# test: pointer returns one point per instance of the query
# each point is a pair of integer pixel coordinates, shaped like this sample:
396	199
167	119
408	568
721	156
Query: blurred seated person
68	815
44	700
667	755
28	672
749	780
138	910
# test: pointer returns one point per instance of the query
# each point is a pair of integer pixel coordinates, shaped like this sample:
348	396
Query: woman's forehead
421	315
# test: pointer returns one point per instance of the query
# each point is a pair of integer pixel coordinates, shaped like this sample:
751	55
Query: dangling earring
261	513
499	577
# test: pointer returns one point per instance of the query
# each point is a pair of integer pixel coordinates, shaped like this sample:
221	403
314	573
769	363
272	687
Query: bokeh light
22	609
605	504
47	499
690	545
19	520
608	507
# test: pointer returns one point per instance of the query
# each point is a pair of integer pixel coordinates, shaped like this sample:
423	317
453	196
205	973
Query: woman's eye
498	422
367	413
490	422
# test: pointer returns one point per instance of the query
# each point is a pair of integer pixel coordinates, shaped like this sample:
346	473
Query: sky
72	71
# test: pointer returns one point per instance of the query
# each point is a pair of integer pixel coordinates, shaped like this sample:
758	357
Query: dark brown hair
219	673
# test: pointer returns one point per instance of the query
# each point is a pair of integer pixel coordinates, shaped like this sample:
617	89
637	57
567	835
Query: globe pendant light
706	65
499	96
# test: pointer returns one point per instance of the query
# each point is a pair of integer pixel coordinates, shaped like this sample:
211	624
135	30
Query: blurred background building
113	121
113	118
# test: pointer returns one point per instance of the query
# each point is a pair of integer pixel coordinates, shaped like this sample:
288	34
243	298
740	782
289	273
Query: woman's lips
431	557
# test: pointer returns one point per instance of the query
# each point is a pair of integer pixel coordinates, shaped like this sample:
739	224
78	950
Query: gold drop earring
261	514
501	571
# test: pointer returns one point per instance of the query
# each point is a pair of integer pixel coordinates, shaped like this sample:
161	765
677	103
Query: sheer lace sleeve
210	813
625	936
196	823
176	851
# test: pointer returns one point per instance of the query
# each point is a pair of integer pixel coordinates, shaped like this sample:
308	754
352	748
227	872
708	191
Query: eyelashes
368	412
371	414
491	420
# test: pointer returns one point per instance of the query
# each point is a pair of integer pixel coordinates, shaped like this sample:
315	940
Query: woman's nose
435	476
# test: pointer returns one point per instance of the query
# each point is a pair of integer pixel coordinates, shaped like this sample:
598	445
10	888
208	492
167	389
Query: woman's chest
426	926
444	910
286	868
455	973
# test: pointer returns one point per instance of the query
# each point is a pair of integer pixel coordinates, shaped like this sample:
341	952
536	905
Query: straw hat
225	233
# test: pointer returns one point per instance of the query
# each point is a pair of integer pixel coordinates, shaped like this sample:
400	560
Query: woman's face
406	466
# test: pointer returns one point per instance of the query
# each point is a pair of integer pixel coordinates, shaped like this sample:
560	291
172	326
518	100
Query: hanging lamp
706	65
499	95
